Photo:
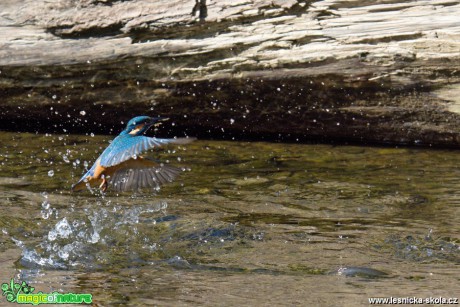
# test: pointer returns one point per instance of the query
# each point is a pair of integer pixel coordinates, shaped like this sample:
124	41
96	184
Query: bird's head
140	124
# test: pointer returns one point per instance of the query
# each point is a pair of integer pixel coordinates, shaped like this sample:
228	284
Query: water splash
90	239
61	230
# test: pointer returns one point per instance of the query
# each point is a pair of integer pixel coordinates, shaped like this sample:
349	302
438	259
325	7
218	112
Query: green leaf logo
12	290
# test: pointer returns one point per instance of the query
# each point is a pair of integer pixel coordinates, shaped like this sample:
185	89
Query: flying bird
121	167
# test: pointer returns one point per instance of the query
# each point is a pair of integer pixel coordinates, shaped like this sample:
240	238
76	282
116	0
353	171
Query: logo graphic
22	293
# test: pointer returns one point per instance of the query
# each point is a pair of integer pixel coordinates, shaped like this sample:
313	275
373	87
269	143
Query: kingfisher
121	166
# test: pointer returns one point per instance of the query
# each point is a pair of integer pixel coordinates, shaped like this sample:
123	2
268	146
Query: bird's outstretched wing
129	147
135	174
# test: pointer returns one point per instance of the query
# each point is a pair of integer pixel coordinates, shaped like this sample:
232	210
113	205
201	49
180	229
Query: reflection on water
252	223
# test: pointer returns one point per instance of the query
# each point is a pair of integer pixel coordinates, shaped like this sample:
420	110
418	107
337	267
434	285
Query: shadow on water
251	223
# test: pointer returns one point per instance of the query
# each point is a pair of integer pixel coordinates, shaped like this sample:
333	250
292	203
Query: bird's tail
82	183
79	186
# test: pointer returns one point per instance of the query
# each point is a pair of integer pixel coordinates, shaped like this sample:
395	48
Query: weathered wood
370	71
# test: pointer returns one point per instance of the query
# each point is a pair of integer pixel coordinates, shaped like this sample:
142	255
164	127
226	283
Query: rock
359	272
364	71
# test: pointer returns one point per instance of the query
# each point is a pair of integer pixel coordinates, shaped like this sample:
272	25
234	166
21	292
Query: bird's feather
81	184
85	183
135	174
126	147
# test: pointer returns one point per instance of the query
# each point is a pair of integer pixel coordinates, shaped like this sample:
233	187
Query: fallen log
364	71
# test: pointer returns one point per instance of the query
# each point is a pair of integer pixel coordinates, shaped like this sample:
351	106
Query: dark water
250	224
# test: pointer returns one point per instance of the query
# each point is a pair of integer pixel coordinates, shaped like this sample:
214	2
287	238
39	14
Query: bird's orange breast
99	169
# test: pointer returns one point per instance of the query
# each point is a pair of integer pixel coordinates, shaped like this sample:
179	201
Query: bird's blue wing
126	147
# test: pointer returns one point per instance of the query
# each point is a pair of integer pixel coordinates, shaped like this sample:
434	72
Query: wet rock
379	71
359	272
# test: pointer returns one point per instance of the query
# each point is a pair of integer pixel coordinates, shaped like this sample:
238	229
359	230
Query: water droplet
52	235
45	205
51	173
278	89
94	238
232	121
66	159
92	134
45	215
62	229
82	113
63	254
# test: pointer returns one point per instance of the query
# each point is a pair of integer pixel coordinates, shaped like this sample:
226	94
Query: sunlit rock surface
367	71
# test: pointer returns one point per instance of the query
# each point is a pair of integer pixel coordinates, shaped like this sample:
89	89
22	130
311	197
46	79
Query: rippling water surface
251	223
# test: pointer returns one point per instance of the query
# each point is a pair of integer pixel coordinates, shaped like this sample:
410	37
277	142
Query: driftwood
383	71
